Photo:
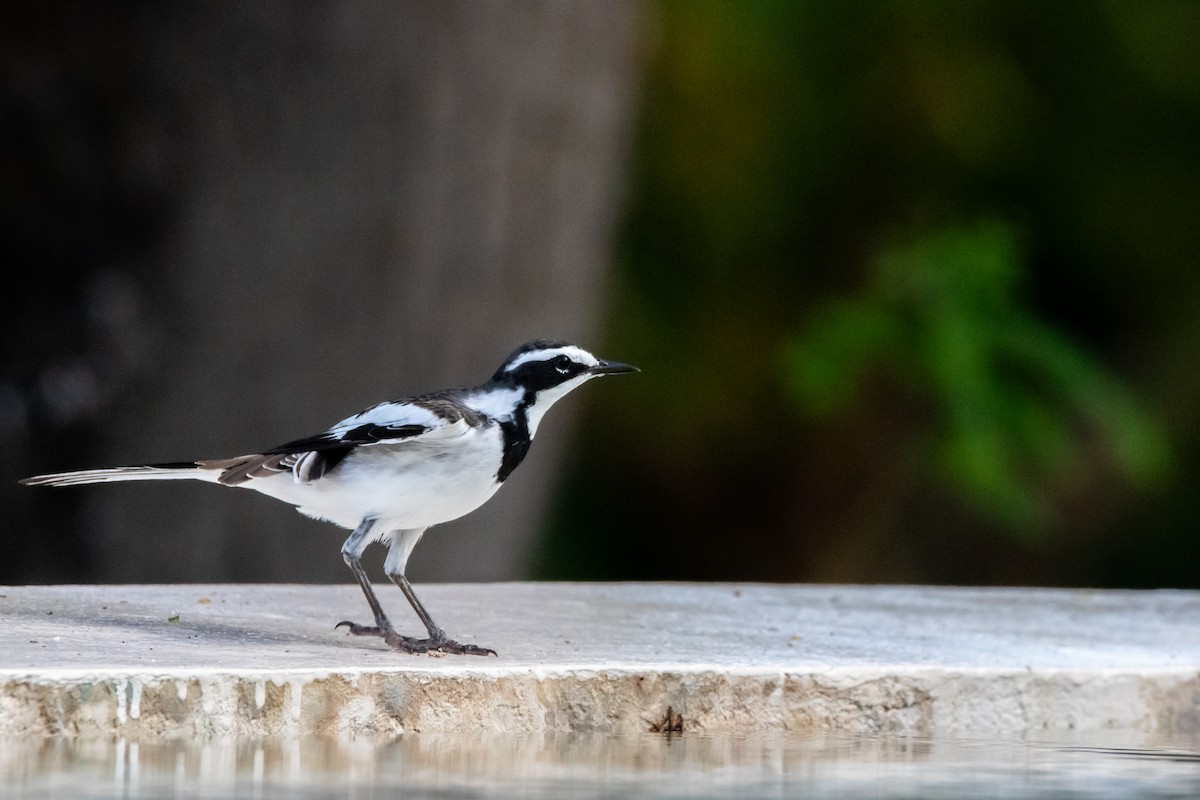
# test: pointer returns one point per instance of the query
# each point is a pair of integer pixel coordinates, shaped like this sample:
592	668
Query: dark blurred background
913	285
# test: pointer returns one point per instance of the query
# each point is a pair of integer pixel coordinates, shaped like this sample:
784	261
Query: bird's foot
409	644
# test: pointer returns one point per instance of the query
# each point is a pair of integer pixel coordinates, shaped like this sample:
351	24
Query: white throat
548	397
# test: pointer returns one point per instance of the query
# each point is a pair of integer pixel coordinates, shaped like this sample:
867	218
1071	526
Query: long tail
149	472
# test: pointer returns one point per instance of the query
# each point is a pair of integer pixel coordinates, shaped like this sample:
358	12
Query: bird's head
545	371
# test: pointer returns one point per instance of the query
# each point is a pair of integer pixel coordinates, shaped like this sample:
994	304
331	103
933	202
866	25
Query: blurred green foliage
1017	407
961	238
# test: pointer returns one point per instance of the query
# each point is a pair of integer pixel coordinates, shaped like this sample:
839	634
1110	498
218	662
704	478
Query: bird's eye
562	364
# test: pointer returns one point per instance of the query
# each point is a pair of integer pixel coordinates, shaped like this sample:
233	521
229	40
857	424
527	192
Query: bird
392	471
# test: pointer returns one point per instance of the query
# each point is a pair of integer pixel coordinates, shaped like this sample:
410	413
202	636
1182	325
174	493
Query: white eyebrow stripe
572	352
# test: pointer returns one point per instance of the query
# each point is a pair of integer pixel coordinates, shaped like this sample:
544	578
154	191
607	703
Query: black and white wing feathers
427	420
430	419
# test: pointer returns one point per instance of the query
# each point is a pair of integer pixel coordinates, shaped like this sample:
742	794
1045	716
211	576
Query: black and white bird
393	470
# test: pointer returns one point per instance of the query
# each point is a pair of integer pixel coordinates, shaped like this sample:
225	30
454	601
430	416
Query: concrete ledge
262	660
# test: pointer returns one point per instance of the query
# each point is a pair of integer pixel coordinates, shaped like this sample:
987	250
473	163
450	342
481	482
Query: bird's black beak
612	368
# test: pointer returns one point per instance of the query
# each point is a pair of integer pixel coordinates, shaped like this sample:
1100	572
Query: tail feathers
149	472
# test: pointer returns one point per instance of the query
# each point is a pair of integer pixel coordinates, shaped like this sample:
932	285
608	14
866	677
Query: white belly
407	486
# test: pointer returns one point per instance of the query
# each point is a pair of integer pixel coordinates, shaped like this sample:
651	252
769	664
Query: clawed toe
358	630
466	649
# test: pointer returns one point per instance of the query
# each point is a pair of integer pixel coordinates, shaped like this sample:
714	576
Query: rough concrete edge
605	700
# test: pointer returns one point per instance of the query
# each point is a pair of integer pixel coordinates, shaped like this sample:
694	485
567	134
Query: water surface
687	765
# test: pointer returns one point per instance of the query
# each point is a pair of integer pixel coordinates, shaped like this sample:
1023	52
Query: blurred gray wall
359	201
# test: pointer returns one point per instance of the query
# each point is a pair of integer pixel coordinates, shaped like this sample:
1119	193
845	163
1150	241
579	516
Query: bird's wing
422	420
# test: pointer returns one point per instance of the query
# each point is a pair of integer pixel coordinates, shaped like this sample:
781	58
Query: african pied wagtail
390	472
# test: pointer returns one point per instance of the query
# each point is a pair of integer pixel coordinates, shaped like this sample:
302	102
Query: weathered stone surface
265	659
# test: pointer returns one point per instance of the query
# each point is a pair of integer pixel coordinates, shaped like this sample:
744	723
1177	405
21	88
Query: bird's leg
401	547
352	552
437	637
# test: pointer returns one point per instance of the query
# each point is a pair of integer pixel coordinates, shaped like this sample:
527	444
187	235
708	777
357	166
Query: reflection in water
1116	765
